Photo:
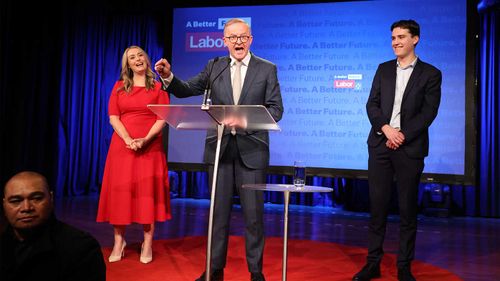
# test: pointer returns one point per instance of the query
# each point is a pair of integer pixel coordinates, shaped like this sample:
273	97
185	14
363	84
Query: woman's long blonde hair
127	74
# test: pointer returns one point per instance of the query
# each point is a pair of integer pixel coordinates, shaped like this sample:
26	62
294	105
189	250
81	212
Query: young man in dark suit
403	103
244	79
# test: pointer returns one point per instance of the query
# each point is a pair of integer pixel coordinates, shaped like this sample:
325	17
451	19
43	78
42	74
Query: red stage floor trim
183	259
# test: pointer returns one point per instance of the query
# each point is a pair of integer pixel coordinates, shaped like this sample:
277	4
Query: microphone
207	101
205	104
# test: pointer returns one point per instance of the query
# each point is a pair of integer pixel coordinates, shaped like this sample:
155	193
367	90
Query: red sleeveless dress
135	185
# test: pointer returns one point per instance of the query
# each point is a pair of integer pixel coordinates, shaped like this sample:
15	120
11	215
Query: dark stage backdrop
58	66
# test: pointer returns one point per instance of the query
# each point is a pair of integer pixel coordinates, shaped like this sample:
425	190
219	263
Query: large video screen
327	55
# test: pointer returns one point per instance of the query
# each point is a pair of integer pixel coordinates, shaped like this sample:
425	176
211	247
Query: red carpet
183	259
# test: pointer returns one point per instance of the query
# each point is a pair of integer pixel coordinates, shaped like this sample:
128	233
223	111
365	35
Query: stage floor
467	247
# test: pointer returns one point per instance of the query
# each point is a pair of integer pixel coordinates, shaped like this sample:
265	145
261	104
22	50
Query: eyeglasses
234	38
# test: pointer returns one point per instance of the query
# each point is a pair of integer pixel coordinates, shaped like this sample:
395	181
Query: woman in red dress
135	182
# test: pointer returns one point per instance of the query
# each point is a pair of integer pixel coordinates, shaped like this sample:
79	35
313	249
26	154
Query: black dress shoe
404	274
368	272
217	275
257	277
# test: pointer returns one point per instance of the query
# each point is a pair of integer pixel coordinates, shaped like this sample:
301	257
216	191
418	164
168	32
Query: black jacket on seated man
54	252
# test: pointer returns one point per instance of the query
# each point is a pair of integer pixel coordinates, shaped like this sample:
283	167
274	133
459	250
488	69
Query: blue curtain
91	63
489	110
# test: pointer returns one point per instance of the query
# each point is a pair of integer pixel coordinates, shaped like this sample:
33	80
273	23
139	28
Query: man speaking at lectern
242	78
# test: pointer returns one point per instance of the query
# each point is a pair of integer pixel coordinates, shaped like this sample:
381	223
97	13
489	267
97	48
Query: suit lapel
249	77
392	83
413	78
226	84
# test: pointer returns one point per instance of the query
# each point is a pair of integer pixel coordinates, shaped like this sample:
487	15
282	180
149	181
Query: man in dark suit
37	246
403	102
243	79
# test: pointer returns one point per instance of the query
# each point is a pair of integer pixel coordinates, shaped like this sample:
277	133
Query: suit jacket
419	106
261	87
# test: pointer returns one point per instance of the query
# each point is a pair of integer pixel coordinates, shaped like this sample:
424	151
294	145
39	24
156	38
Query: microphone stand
207	101
220	130
205	105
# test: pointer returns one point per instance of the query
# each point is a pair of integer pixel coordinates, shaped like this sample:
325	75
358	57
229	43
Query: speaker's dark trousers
231	176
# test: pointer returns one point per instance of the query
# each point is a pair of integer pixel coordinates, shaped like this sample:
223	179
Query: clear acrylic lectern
192	117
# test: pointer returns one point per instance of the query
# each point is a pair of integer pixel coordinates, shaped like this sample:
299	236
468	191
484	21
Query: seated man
35	245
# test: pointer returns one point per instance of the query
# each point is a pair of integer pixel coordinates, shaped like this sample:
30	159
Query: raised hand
163	68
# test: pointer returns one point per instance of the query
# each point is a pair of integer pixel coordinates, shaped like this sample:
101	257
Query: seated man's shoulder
66	235
79	252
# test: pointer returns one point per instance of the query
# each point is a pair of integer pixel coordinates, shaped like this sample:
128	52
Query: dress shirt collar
245	60
412	64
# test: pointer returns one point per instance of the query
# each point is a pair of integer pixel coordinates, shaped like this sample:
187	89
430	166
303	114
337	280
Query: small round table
286	189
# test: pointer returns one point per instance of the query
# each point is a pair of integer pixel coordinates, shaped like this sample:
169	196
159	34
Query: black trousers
231	176
383	165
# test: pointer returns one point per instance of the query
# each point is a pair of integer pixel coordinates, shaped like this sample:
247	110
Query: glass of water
299	173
